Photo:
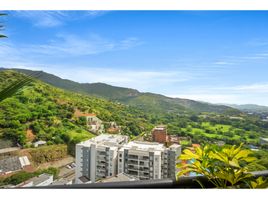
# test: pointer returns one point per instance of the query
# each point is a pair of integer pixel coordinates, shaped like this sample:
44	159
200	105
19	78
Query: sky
212	56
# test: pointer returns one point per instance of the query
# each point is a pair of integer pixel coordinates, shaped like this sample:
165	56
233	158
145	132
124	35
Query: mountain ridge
144	100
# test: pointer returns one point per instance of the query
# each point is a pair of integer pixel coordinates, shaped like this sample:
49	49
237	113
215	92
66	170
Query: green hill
48	113
41	111
146	101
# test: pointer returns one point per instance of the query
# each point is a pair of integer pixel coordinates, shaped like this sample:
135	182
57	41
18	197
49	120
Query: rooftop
118	178
38	179
10	164
144	146
106	139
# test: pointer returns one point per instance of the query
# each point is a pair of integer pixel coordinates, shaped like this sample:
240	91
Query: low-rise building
12	164
41	180
39	143
148	160
97	158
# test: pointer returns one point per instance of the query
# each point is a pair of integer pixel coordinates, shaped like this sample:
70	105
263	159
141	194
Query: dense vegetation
46	154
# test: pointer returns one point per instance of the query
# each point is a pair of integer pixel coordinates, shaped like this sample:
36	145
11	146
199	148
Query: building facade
159	134
97	158
148	160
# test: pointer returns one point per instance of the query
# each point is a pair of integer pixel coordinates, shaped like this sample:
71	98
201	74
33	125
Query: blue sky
213	56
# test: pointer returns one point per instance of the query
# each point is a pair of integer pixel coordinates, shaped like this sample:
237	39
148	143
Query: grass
80	134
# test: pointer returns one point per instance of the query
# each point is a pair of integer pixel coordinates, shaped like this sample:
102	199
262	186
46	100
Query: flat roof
119	177
106	139
144	146
41	178
10	164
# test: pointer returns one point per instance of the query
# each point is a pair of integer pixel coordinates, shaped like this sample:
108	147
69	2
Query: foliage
48	153
224	167
22	176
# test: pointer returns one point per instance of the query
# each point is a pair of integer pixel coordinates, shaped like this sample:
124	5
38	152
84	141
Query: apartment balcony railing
183	182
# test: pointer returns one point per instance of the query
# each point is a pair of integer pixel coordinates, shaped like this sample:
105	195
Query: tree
224	167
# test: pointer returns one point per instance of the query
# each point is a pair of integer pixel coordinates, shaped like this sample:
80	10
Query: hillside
147	101
250	108
40	111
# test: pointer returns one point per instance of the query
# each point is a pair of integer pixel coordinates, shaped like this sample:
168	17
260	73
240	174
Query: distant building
159	134
93	122
114	128
41	180
39	143
263	141
97	158
12	164
148	160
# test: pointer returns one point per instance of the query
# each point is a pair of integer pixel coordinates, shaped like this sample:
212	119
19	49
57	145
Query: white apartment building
97	158
148	160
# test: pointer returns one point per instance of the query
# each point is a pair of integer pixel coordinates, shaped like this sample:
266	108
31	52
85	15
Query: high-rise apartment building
148	160
97	158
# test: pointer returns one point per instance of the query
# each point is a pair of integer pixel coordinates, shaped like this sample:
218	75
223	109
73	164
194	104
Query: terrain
146	101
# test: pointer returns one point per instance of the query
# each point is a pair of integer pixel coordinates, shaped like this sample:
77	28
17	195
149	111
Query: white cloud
253	88
73	45
43	18
49	19
138	79
222	63
65	45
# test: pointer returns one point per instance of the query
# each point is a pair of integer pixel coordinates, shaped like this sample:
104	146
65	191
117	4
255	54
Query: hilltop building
41	180
148	160
97	158
93	122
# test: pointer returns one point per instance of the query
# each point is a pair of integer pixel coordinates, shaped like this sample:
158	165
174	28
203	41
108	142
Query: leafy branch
17	85
225	167
2	26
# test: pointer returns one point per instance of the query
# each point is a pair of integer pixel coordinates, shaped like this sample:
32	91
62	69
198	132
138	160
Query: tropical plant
224	167
2	26
16	85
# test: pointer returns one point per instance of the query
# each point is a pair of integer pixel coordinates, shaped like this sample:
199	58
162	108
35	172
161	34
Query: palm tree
18	84
2	26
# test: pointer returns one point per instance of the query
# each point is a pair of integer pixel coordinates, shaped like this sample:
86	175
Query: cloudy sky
218	57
